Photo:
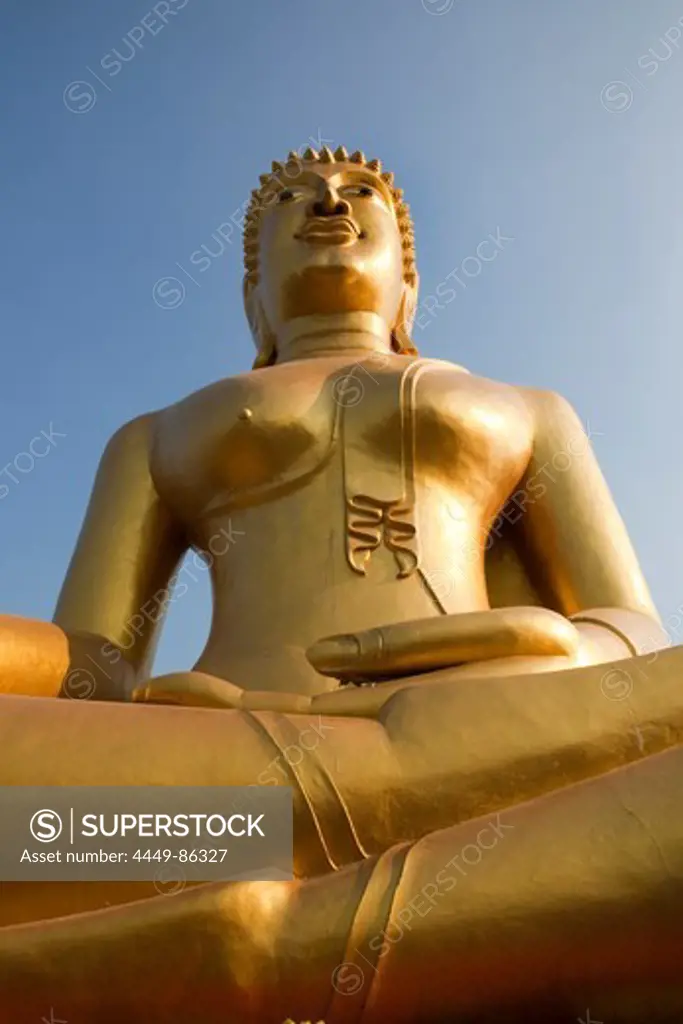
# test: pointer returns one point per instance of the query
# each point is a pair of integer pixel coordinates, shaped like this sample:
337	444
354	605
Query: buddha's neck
334	334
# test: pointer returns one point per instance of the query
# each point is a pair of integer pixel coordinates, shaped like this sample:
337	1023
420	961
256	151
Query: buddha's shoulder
459	378
143	430
542	402
133	437
547	406
219	397
543	410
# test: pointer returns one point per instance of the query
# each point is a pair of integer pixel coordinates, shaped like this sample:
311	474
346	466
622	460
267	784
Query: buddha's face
329	242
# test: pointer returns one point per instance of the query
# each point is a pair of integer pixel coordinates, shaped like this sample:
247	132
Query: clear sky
556	125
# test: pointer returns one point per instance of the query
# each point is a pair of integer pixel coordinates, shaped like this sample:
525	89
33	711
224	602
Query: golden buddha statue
486	824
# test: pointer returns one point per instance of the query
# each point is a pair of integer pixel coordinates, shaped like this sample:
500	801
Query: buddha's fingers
368	701
424	645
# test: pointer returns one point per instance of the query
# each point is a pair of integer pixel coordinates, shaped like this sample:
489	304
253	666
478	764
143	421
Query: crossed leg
567	902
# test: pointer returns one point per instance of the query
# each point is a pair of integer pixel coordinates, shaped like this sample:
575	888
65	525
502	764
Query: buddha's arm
576	541
127	550
559	904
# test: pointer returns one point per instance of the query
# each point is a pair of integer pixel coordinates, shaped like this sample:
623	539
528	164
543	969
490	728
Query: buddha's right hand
199	689
447	641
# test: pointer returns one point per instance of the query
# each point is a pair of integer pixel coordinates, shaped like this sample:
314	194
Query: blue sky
557	125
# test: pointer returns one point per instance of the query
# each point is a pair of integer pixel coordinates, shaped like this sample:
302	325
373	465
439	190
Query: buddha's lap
199	689
469	885
475	746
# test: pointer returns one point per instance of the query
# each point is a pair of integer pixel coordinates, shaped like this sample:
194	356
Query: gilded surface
490	831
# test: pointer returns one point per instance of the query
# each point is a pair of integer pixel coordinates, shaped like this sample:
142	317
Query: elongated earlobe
400	334
264	339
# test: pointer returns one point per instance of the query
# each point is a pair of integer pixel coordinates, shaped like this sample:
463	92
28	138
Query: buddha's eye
363	191
285	196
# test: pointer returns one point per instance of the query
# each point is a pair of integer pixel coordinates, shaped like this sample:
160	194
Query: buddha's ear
264	339
400	335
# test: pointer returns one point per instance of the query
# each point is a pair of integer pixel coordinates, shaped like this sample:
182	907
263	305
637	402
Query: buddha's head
328	233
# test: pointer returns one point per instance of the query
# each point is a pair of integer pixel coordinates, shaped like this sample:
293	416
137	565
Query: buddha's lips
329	231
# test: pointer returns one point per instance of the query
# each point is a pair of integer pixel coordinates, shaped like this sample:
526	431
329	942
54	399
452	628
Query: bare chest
246	440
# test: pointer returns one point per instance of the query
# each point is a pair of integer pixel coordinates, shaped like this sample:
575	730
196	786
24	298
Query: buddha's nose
330	204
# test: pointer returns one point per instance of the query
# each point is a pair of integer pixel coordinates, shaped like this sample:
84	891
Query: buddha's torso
337	496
